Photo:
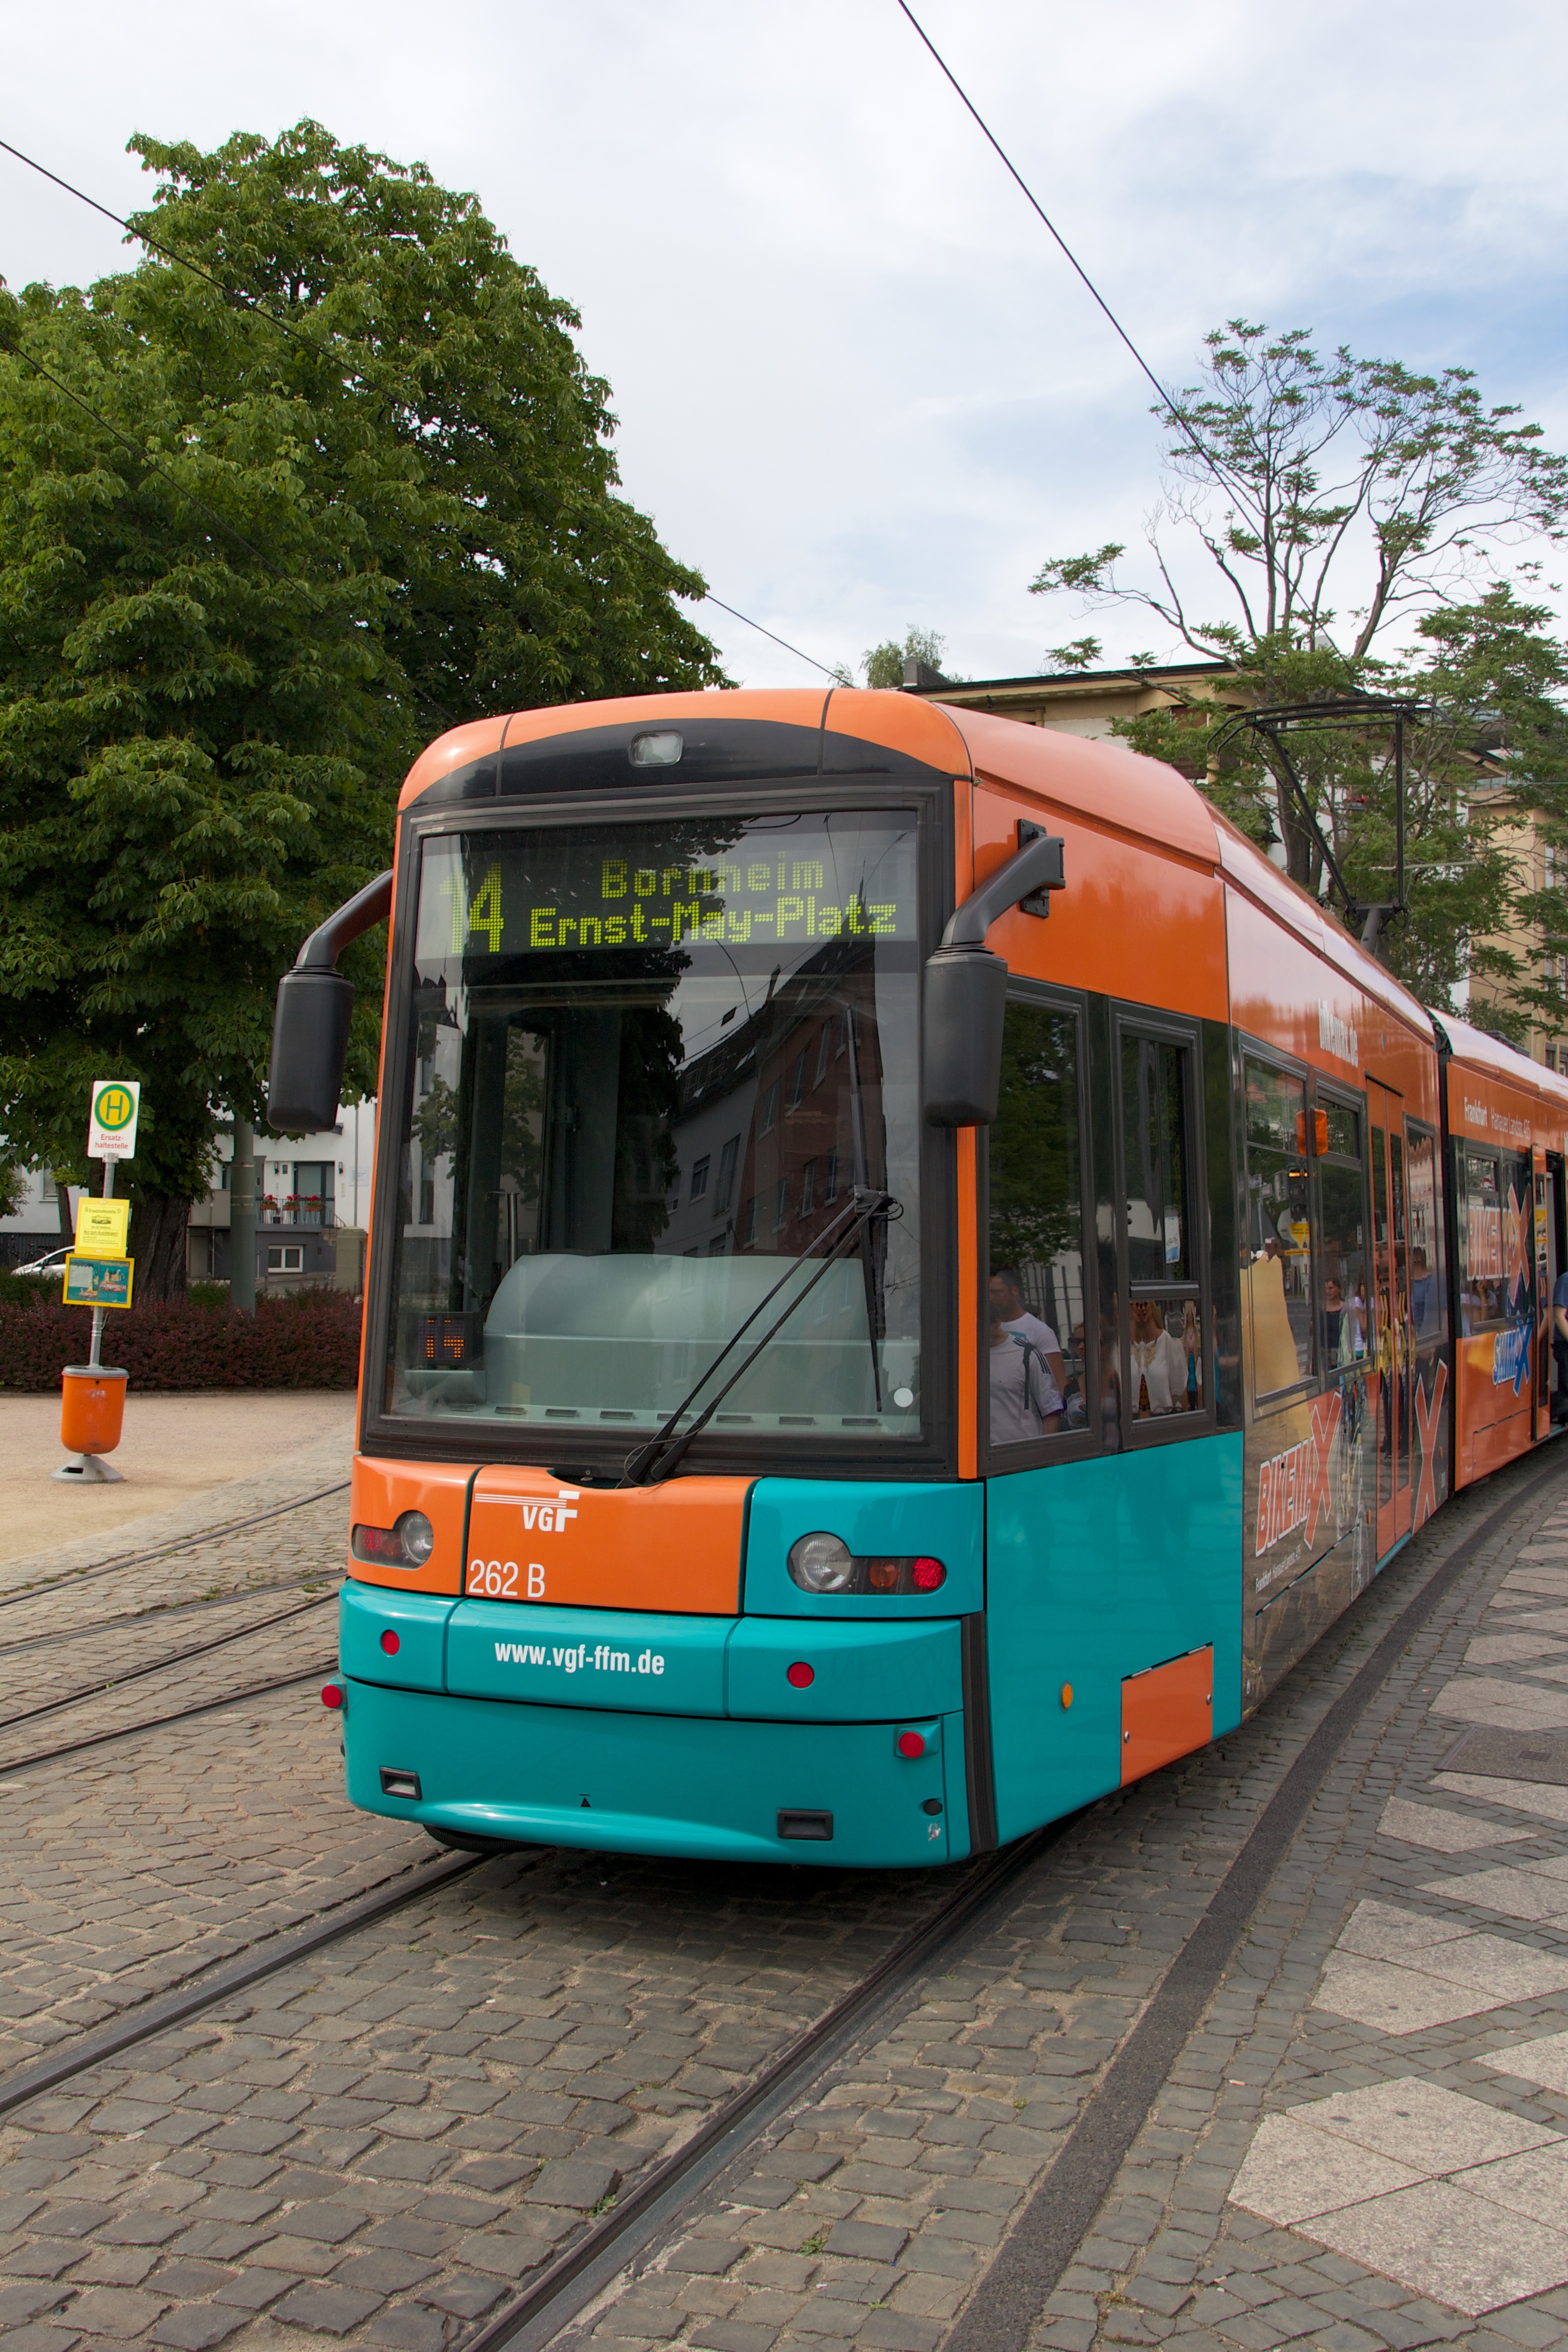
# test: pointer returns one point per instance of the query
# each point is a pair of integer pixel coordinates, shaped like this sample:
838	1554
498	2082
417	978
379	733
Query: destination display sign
822	878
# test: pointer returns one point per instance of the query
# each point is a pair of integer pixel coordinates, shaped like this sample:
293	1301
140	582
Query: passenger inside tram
1159	1363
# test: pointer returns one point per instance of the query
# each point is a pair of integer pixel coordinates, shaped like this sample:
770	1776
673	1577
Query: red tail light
390	1643
824	1563
331	1694
911	1743
801	1674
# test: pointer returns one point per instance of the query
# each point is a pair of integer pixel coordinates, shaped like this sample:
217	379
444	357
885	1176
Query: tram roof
1480	1050
1106	785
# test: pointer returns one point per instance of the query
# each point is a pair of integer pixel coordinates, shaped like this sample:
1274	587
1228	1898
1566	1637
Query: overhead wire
298	334
1166	402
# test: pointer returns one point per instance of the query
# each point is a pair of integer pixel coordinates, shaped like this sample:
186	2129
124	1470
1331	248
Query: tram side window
1342	1316
1428	1290
1038	1364
1494	1231
1165	1357
1278	1229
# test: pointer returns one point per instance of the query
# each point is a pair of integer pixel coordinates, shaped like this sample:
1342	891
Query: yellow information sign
97	1281
103	1227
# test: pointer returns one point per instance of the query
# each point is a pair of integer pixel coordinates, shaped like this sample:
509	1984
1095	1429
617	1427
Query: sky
858	387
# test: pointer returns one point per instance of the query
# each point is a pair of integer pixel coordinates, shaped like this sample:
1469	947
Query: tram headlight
822	1563
825	1563
417	1536
407	1543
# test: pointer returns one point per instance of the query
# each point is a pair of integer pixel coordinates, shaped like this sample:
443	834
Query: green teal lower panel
1096	1570
705	1787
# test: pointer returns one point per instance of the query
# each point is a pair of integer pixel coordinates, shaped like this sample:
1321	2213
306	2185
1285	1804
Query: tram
912	1275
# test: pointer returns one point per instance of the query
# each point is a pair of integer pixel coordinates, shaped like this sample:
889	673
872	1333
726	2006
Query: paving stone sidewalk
1366	2144
74	1561
383	2142
876	2212
134	1866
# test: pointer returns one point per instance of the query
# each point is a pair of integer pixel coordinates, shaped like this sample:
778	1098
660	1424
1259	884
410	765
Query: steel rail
68	1578
1061	2210
167	1609
998	2317
162	1722
270	1954
161	1666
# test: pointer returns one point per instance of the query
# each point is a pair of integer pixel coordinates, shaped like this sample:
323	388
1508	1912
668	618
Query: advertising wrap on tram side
1507	1136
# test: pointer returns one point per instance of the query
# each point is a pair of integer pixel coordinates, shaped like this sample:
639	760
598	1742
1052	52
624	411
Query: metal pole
1399	812
95	1353
242	1219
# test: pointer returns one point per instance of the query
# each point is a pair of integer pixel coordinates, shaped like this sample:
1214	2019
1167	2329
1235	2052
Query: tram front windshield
648	1069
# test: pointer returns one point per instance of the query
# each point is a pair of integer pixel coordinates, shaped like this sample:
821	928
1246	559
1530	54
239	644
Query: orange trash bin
92	1408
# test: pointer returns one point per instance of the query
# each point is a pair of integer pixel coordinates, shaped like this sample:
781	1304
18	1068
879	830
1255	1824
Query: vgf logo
505	1580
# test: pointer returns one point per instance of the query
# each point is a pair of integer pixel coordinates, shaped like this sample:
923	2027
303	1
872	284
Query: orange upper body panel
672	1546
382	1491
1495	1096
900	722
453	749
1134	921
1116	791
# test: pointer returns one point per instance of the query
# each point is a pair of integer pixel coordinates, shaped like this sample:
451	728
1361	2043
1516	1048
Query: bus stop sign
112	1127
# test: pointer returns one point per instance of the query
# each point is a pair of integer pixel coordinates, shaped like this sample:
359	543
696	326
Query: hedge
306	1340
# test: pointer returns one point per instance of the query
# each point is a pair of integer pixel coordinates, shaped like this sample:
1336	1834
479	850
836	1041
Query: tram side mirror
310	1049
964	1000
311	1023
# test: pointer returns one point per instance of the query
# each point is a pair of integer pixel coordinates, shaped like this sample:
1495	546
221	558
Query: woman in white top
1159	1363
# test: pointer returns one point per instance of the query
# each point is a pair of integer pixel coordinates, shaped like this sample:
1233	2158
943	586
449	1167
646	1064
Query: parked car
54	1264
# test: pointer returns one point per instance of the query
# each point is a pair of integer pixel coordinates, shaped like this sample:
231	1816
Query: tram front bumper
712	1788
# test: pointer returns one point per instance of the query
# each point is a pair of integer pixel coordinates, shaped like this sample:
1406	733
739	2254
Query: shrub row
309	1341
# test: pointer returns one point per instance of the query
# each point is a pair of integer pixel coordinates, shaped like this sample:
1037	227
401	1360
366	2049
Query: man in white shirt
1007	1308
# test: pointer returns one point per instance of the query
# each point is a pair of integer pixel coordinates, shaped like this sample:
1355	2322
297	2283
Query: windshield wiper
851	1221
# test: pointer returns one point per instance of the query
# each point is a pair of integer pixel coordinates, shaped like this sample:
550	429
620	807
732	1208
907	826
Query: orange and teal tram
912	1275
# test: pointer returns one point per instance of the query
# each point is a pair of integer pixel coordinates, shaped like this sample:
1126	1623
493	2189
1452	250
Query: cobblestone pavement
880	2201
81	1559
131	1867
377	2145
45	1670
302	1541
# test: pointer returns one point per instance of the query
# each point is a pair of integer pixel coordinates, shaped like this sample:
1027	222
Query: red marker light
390	1643
911	1743
801	1674
331	1694
929	1575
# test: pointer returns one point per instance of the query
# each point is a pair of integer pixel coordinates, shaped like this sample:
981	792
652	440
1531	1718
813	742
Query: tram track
1062	2209
162	1722
70	1579
162	1666
164	1609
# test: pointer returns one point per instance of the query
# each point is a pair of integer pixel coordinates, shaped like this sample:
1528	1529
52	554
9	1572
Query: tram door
1389	1304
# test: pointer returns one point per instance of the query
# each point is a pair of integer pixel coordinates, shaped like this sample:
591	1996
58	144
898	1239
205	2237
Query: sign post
110	1135
99	1273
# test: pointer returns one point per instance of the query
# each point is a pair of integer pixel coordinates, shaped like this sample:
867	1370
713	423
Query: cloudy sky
858	386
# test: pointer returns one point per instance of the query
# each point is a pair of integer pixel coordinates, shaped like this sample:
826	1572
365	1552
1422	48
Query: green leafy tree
884	664
1343	504
271	514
